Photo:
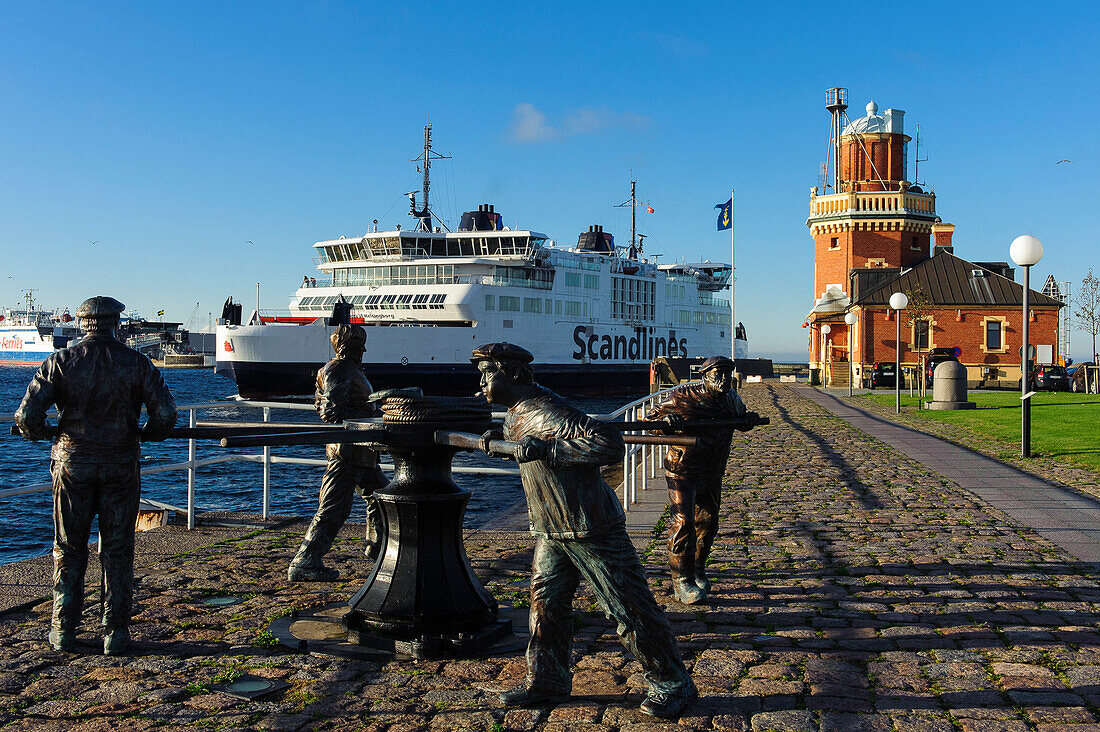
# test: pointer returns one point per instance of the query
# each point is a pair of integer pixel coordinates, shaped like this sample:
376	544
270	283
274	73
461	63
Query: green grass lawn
1064	426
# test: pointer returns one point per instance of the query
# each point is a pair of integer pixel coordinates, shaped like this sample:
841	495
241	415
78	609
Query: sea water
26	522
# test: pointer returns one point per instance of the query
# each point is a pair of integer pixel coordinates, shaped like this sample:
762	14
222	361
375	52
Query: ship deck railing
640	462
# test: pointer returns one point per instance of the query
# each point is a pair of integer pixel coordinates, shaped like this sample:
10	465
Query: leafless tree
1087	314
919	310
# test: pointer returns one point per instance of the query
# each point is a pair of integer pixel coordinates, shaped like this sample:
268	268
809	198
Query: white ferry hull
24	346
271	360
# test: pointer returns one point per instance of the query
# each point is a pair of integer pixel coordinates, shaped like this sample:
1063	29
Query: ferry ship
593	315
29	335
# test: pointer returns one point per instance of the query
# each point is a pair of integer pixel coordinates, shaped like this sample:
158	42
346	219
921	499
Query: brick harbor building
876	233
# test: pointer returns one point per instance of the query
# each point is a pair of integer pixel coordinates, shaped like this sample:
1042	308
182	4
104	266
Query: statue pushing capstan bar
711	410
580	532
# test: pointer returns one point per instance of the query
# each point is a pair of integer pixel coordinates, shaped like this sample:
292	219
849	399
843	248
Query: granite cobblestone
854	590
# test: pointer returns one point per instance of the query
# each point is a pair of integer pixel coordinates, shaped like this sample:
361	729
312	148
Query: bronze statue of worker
580	532
342	393
99	386
694	474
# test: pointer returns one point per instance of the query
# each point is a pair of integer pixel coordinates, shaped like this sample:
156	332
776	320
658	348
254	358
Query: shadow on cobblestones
854	590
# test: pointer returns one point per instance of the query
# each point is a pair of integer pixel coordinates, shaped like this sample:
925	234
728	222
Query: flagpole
733	278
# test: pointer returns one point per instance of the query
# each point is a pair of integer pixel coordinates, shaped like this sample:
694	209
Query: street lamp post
1025	251
898	301
850	319
825	329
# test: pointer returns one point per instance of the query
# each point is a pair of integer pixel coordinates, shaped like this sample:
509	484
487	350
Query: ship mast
635	244
424	213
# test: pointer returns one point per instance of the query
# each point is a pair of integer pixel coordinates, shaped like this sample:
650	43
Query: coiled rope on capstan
403	407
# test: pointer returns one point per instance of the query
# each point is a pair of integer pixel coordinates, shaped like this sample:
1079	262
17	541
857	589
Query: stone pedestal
949	387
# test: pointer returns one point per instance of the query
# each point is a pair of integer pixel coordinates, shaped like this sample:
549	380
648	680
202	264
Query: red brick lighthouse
869	216
876	233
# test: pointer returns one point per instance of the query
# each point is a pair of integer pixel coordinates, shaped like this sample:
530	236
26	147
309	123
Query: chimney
941	238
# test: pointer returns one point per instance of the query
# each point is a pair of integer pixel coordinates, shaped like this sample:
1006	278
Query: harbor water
26	523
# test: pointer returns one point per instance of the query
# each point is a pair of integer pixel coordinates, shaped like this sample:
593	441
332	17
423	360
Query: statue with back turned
580	533
99	386
343	392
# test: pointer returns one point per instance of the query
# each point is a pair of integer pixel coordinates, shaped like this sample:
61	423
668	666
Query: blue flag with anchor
725	216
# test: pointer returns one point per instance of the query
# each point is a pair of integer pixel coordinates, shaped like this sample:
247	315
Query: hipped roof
949	281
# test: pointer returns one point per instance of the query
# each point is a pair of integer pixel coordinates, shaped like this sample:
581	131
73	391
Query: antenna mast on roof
836	101
917	159
424	214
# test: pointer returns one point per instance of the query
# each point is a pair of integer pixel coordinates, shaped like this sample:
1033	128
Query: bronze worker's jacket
707	460
99	385
566	496
342	391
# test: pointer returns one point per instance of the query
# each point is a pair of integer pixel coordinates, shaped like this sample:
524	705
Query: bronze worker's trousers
341	481
694	507
610	566
81	491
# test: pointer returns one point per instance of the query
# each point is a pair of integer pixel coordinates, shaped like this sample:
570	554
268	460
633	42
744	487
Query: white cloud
529	125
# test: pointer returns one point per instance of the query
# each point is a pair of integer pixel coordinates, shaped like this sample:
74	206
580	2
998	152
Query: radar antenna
424	213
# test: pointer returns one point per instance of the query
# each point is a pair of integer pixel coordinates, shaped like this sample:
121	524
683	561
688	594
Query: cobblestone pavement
854	591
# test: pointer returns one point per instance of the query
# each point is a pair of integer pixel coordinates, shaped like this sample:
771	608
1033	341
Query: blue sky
174	133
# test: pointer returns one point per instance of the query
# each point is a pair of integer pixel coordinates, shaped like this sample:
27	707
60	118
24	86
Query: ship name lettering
593	346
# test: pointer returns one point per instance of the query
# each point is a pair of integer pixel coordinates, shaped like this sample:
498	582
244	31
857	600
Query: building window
920	335
834	243
993	339
916	243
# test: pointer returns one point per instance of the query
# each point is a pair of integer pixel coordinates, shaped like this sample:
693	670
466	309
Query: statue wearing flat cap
580	532
342	393
694	474
99	386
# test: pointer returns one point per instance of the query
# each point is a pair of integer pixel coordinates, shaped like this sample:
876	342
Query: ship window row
422	301
708	300
633	299
404	274
413	246
577	279
698	317
513	304
538	278
672	290
573	261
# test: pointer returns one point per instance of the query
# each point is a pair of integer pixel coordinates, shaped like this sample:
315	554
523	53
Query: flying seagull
249	242
1063	160
95	242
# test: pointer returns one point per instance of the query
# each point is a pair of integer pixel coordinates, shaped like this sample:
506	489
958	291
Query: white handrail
649	458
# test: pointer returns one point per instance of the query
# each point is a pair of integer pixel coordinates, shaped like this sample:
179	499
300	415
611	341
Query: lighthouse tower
868	217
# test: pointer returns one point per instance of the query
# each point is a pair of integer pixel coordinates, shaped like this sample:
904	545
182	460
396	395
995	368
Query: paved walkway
1066	518
855	589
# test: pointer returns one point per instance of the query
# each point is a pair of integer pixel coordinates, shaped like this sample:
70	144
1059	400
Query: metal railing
265	458
647	458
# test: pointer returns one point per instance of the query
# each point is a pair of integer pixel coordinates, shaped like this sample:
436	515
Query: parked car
1077	383
935	357
883	374
1049	378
